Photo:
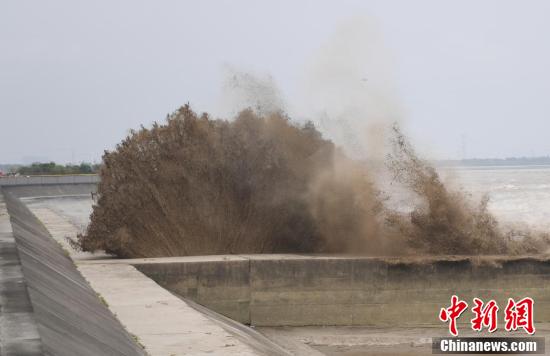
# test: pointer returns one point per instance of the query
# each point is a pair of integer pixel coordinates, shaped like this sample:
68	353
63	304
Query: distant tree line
52	168
509	161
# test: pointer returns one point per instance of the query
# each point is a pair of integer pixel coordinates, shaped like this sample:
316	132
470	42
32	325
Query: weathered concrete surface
273	290
71	318
18	330
46	180
63	231
163	323
222	285
51	190
372	341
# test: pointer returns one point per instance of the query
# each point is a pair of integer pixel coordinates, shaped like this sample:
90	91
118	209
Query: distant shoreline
496	162
524	162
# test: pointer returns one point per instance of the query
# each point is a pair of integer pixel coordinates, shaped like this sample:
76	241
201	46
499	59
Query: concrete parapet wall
220	285
51	190
46	180
274	290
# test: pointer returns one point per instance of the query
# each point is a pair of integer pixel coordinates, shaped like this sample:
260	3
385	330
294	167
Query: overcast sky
463	77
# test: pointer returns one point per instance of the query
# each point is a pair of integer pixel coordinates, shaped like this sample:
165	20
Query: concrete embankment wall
18	330
44	180
276	290
70	316
51	190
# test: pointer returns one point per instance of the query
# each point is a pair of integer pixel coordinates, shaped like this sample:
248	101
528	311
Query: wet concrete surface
371	341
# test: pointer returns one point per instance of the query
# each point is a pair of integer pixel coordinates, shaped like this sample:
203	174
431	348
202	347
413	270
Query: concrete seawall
51	190
88	304
63	287
286	290
18	329
71	318
44	180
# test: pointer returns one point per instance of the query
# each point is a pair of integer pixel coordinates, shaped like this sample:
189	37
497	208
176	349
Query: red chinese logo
484	316
452	313
517	315
520	314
